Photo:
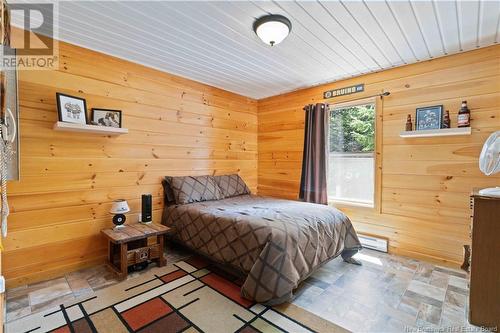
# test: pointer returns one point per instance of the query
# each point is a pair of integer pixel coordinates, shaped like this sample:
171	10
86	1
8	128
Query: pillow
189	189
167	190
232	185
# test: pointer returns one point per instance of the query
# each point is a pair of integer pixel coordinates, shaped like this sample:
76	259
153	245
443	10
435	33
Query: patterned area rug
188	296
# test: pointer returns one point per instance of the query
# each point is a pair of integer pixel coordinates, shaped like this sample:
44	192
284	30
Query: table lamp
489	162
119	208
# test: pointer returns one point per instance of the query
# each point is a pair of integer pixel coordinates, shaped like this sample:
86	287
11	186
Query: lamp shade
119	206
272	29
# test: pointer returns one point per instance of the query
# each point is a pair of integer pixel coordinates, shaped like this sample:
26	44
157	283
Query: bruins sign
344	91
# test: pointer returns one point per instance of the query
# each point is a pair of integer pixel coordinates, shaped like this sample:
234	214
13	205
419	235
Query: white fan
489	162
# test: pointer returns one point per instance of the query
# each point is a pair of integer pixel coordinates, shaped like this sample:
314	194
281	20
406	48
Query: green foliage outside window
352	129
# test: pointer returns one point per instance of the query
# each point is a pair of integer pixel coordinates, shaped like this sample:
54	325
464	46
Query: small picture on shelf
429	117
105	117
71	109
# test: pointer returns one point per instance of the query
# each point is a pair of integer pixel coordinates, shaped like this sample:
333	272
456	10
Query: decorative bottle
446	120
464	115
409	125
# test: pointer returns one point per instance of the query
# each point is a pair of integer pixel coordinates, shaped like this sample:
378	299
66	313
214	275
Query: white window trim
339	202
369	100
352	203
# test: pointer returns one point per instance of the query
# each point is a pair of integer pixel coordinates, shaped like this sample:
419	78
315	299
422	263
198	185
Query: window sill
341	203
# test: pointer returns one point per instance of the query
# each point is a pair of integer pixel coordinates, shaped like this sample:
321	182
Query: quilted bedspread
277	243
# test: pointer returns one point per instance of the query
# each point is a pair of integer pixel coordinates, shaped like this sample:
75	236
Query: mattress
276	243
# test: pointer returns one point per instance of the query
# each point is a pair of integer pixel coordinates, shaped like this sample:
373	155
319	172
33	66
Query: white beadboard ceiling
213	42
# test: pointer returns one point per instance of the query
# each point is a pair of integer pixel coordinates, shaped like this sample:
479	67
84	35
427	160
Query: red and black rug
188	296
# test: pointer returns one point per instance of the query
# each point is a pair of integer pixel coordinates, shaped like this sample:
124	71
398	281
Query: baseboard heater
373	243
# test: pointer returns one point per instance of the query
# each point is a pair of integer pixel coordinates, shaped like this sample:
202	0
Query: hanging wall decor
9	116
344	91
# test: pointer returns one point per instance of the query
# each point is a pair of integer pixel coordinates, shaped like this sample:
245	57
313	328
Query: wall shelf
437	132
92	129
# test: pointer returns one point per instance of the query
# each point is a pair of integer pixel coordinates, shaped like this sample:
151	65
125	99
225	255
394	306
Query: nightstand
129	246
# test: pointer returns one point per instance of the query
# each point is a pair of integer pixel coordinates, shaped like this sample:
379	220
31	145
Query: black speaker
147	208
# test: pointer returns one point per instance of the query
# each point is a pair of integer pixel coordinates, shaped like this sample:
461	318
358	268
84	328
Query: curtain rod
365	97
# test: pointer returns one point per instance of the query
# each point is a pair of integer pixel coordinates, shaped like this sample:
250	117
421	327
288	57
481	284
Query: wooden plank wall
68	180
425	182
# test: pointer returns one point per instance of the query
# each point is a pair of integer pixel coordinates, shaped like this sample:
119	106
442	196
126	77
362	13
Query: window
351	162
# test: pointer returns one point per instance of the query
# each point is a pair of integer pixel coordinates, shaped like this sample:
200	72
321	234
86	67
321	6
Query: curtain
314	158
4	24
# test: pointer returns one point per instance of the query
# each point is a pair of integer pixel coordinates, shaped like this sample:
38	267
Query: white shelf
92	129
436	132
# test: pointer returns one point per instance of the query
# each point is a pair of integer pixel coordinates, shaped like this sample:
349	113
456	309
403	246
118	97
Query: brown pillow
232	185
167	190
189	189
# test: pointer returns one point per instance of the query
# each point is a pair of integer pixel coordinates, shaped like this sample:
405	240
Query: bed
276	243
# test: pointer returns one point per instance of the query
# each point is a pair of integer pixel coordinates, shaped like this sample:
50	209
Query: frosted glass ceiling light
272	29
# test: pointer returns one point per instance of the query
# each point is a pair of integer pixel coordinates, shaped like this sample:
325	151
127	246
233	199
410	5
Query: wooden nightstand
129	245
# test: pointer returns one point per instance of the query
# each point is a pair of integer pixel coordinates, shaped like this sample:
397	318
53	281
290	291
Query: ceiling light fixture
272	29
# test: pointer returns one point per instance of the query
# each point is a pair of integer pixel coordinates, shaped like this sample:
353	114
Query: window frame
377	153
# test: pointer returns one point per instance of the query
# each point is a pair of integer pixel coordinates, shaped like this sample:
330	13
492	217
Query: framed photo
106	117
430	117
71	109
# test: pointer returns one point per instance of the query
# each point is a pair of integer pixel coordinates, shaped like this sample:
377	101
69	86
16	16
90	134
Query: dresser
484	302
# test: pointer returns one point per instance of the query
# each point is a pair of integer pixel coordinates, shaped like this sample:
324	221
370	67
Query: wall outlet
2	284
139	217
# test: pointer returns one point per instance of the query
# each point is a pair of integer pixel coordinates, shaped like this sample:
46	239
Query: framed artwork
71	109
106	117
430	117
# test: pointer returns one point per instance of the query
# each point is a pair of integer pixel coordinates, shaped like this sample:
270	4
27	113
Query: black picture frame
95	119
60	97
429	118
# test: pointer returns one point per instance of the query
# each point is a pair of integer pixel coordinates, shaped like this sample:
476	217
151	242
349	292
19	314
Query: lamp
119	208
489	162
272	29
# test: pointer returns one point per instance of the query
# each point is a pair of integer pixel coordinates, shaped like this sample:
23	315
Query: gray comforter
277	243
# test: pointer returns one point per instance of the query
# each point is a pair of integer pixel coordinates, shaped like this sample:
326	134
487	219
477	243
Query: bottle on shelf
463	116
409	125
446	120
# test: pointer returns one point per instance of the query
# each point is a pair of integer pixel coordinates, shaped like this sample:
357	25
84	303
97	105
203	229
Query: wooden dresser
484	302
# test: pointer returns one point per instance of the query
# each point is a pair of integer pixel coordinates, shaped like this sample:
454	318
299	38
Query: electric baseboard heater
373	243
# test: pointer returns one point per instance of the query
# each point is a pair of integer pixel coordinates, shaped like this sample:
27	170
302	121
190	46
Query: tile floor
387	293
27	299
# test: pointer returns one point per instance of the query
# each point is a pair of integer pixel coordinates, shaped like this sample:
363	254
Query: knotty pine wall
68	180
423	183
